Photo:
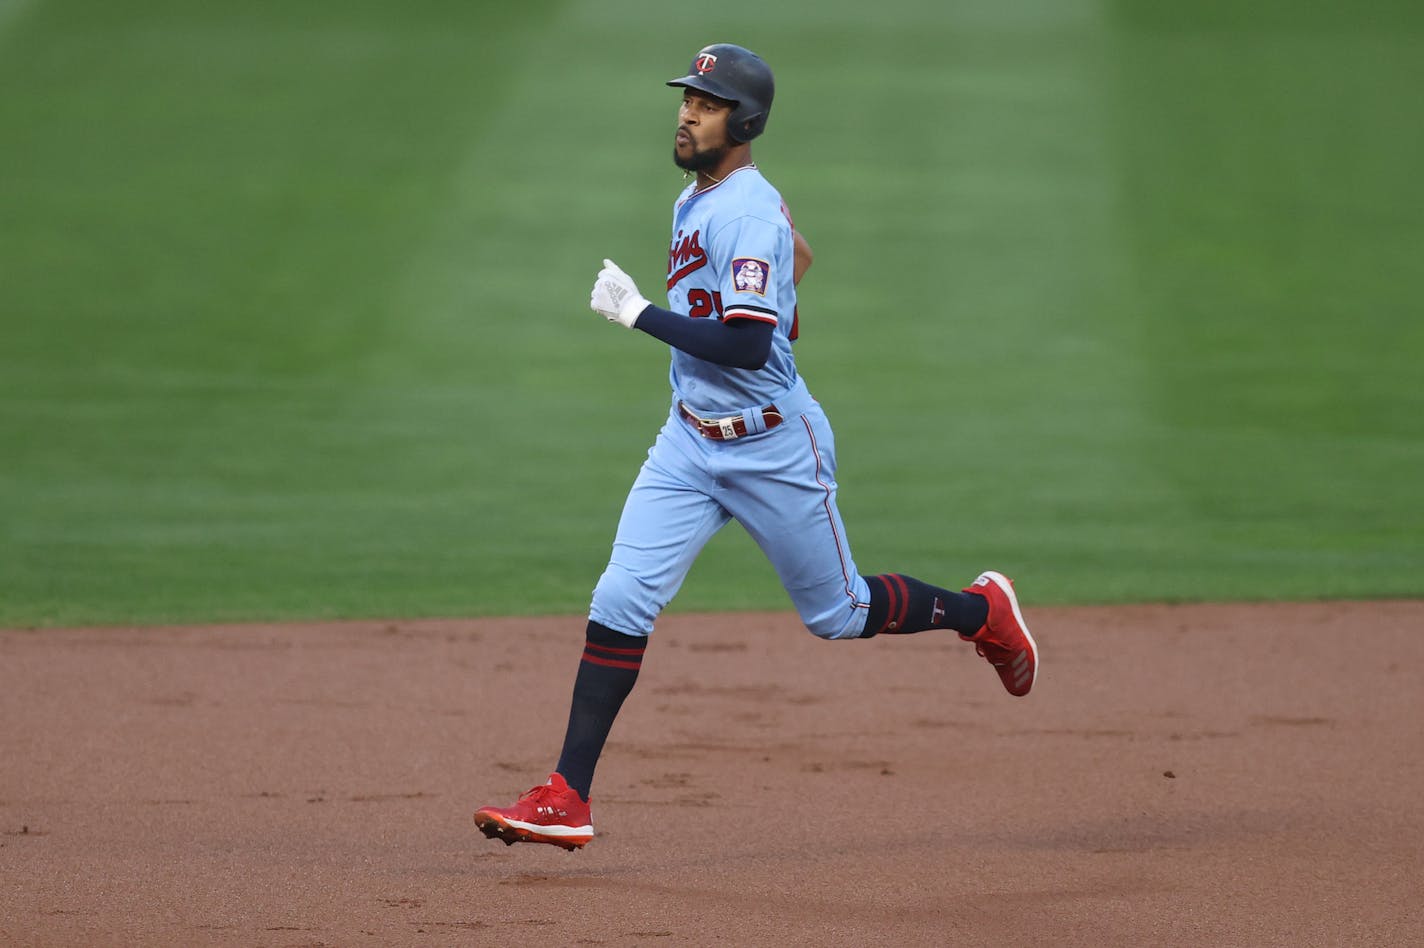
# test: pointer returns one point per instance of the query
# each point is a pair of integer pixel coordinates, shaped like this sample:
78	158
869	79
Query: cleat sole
495	828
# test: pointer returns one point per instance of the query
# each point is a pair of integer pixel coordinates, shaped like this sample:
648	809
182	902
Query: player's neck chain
712	179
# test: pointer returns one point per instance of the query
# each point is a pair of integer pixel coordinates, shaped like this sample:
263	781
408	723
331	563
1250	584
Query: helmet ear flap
743	128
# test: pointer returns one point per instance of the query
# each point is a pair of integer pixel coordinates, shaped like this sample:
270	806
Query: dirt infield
1231	775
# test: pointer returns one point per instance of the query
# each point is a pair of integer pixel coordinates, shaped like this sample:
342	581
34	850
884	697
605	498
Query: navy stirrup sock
605	677
902	604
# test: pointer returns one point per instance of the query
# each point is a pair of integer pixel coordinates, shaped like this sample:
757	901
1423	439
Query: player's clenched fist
615	296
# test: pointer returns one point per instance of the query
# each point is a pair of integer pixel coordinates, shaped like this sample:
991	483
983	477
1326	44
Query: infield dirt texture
1191	775
1119	297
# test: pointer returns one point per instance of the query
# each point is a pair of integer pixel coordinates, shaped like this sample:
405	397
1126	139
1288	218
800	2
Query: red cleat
550	813
1004	640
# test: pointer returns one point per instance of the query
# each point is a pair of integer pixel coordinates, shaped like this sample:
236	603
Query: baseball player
744	440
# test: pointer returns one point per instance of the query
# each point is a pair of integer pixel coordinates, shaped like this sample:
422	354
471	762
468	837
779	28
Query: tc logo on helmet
704	63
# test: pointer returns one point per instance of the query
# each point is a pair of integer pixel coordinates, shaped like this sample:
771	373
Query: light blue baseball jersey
732	257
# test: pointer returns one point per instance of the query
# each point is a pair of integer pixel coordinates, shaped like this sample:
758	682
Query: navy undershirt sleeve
738	343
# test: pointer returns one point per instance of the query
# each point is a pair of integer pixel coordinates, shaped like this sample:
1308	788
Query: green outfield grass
1122	300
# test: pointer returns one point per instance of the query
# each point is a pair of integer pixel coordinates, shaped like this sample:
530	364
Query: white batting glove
615	296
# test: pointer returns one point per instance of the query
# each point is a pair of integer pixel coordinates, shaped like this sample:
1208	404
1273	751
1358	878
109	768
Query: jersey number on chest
704	303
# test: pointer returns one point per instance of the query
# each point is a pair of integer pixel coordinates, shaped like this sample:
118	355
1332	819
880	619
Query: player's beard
701	159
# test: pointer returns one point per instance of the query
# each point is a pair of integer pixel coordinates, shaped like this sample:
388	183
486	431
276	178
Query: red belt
727	429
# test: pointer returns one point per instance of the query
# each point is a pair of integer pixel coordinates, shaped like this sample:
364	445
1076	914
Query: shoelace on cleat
539	794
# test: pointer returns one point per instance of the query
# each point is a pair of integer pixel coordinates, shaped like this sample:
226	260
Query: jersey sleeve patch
750	275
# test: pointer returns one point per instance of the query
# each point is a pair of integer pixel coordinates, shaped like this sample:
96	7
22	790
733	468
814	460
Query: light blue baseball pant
779	485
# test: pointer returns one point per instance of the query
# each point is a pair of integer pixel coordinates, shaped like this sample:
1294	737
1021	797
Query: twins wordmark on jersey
685	257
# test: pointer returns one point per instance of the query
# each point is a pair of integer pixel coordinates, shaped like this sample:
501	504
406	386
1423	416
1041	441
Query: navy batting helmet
739	76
